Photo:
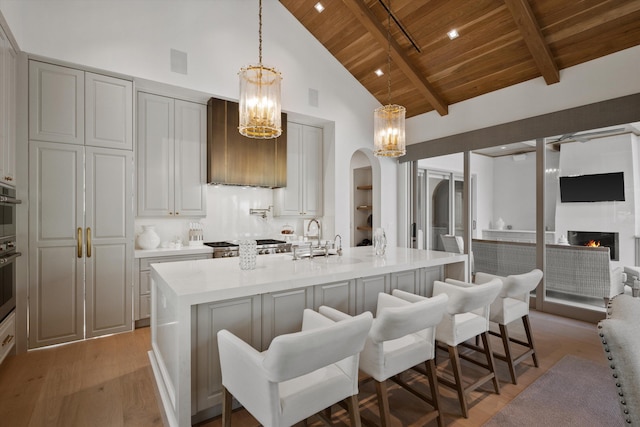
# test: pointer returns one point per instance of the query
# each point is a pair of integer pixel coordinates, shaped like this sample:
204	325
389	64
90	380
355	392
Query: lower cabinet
142	284
7	335
259	319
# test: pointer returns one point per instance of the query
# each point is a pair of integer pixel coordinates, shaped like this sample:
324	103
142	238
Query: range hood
233	159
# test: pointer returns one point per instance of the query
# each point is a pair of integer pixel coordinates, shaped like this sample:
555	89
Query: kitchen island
192	300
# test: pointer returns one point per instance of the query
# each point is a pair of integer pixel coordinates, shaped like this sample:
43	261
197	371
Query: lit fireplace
596	239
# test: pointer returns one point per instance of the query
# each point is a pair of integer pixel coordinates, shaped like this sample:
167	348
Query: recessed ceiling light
453	34
319	7
503	148
379	72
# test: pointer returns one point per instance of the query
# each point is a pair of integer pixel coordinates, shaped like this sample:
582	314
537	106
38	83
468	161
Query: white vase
499	224
148	239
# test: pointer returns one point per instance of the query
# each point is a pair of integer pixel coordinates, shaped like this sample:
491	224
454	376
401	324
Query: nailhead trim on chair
613	366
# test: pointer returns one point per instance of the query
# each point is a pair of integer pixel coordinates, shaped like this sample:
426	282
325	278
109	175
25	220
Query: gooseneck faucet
319	236
338	246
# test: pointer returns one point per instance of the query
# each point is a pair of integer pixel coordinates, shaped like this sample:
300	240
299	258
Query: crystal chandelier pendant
388	131
260	102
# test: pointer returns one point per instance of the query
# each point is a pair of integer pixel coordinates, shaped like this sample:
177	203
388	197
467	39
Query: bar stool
511	304
401	337
300	374
467	317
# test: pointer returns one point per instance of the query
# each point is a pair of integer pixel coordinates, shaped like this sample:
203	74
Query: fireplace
596	238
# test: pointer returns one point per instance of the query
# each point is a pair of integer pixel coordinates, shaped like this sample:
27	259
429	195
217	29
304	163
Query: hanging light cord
388	55
260	33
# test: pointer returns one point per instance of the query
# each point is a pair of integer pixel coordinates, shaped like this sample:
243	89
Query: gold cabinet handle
7	340
79	242
88	242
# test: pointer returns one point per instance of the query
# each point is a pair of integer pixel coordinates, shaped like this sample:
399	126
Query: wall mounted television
602	187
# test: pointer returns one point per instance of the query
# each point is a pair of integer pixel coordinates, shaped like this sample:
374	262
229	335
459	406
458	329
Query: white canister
500	224
148	239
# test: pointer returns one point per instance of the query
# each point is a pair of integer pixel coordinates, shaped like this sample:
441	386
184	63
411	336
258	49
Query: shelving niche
363	206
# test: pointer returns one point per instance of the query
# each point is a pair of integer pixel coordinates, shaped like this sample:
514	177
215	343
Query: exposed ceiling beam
379	32
532	35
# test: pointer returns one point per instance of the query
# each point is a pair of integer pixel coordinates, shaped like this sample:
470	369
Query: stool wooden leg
383	403
490	362
457	374
354	411
527	330
226	407
433	385
507	352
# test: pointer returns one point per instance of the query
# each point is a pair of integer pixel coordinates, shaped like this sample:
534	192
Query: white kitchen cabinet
339	295
367	290
171	157
77	107
282	312
7	335
304	191
80	242
239	316
142	283
8	72
408	281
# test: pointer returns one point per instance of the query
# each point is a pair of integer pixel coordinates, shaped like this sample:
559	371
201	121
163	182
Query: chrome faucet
339	246
319	236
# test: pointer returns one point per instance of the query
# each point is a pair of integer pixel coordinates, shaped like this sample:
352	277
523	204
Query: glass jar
379	241
248	253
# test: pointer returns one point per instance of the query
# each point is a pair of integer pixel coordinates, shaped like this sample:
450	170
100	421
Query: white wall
611	154
134	37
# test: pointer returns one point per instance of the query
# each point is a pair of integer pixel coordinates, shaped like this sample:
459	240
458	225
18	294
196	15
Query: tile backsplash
227	217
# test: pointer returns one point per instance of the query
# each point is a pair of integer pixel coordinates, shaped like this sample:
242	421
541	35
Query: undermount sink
337	260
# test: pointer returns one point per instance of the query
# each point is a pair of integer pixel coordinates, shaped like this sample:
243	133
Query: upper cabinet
171	156
237	160
62	101
7	110
303	194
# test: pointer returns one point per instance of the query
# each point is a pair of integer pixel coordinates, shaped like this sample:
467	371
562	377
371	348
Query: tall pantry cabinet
81	204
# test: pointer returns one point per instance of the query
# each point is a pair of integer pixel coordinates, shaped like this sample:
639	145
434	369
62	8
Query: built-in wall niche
363	206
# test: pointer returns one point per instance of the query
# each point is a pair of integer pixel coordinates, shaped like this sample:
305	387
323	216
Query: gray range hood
233	159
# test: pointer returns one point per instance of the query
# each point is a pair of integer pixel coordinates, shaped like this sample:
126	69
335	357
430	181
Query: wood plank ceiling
501	43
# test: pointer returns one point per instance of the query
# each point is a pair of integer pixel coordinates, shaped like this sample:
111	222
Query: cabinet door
109	251
312	171
408	281
282	312
367	290
56	269
109	112
338	295
8	174
56	103
155	155
190	158
289	199
242	318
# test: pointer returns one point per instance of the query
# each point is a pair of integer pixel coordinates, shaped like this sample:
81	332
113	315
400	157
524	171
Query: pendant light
260	97
388	120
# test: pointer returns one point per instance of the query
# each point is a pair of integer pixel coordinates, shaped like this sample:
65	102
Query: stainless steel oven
8	253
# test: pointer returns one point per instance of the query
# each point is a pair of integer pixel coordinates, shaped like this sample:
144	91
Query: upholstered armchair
620	335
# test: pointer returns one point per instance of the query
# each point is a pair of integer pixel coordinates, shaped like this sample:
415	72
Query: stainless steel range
264	247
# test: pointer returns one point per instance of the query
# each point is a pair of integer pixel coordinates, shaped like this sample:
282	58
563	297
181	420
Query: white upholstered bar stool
511	304
467	316
401	337
300	374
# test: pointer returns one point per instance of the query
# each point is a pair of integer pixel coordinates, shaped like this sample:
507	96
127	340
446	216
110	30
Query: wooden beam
532	35
379	32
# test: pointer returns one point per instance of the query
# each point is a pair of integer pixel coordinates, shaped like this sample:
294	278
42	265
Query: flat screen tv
602	187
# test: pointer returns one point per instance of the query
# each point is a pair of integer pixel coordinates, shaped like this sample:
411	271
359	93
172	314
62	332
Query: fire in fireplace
596	239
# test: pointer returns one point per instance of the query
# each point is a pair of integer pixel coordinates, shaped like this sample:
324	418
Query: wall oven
8	253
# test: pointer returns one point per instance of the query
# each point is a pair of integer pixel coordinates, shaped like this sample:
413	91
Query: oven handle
10	258
11	200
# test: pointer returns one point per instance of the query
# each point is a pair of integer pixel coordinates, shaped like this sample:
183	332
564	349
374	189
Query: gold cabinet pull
88	242
79	242
7	340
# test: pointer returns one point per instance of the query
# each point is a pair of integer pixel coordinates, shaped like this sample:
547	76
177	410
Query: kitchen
127	47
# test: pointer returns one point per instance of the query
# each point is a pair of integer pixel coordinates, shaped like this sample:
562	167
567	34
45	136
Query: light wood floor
108	382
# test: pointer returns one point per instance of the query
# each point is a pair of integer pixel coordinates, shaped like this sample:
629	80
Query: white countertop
208	280
185	250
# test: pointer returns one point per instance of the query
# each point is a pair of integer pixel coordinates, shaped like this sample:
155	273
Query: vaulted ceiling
500	43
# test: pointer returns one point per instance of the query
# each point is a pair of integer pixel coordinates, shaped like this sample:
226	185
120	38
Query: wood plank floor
108	382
